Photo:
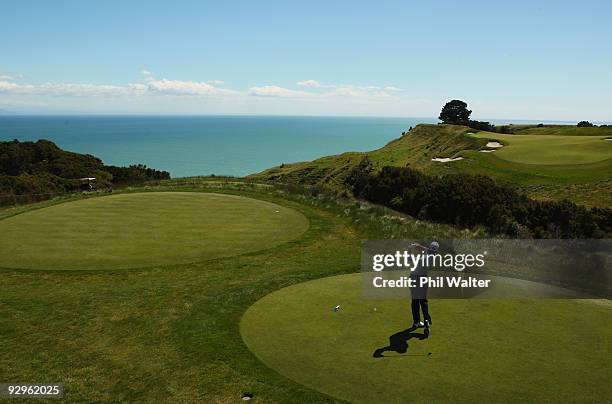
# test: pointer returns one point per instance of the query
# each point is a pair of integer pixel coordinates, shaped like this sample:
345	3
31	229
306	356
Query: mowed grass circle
551	149
144	229
481	350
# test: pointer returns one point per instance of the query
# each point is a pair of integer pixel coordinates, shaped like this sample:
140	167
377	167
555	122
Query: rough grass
164	334
589	194
170	333
139	230
482	350
566	130
416	148
532	174
563	160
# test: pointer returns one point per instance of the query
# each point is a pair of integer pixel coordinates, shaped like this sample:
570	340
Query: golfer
419	293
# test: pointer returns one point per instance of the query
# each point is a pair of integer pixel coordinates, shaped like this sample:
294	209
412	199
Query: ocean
204	145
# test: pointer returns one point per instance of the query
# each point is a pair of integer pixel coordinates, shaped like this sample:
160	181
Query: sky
542	60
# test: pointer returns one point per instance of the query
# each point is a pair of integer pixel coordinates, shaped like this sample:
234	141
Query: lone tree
455	112
585	124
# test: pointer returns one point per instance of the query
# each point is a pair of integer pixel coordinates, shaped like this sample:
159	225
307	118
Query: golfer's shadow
398	342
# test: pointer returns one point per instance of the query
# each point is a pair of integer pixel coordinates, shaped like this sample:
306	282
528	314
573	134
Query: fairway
144	229
551	149
481	350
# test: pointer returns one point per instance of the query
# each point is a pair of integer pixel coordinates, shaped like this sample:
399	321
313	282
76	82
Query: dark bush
468	200
135	174
32	171
584	124
481	125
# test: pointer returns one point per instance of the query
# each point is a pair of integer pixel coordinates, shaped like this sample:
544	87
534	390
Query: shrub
473	200
40	170
481	125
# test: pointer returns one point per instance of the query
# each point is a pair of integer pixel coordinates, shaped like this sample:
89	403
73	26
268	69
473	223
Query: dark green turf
482	350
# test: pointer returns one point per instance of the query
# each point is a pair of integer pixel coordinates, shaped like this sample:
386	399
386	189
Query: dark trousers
417	306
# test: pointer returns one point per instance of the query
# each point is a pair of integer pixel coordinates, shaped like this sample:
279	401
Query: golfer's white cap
434	245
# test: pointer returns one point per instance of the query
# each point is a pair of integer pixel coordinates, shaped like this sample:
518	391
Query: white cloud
7	77
349	90
152	86
149	77
331	90
81	89
69	89
276	91
185	87
137	87
346	91
7	86
148	94
309	83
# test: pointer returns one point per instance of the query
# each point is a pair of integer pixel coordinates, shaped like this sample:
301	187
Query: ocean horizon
191	145
204	145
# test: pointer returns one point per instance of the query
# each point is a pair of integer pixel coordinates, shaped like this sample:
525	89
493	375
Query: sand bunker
609	138
495	145
446	159
486	151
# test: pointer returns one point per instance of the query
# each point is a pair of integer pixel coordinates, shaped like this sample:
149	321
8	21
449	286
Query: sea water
204	145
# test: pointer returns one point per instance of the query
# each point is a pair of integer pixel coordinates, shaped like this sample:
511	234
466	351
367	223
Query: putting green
144	229
482	350
551	149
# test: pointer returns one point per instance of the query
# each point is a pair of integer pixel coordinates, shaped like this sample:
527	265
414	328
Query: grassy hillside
415	148
548	162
